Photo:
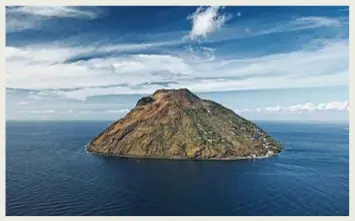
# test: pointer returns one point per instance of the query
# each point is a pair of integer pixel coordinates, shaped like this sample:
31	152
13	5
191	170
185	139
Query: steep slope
178	124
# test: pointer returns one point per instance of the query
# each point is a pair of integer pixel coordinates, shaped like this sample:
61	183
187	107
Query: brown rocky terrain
178	124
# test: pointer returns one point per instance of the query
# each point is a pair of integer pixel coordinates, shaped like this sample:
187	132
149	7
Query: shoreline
179	158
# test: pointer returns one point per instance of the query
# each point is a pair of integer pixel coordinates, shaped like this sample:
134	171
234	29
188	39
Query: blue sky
94	63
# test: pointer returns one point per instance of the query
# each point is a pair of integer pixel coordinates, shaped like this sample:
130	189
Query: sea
48	173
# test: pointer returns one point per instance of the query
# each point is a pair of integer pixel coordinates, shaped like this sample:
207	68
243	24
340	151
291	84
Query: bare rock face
177	124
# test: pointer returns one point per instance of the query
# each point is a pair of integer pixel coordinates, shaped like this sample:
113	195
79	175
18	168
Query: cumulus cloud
206	20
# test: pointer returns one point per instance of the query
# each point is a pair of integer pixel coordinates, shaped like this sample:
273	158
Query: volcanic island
177	124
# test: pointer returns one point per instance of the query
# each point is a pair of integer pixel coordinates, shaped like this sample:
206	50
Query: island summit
177	124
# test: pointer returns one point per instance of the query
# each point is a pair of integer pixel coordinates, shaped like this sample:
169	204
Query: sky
94	63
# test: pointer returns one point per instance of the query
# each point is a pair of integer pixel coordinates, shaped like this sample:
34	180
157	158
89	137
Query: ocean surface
48	172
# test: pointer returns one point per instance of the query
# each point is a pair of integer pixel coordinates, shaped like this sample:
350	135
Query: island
177	124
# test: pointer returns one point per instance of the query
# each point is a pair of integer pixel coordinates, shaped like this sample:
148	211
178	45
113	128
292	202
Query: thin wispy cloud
316	21
21	18
118	111
202	52
206	49
13	24
244	110
235	31
300	108
344	9
53	11
39	69
38	111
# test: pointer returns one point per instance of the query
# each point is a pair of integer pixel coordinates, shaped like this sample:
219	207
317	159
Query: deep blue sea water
49	173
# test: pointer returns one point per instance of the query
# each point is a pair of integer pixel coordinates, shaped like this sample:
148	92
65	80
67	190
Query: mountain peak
178	124
180	96
183	91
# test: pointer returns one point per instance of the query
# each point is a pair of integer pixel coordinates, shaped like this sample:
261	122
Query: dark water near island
49	173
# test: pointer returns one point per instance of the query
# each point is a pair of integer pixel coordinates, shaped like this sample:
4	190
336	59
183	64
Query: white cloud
299	108
303	23
200	52
53	11
235	31
118	111
16	24
23	102
244	110
206	20
276	108
32	17
38	111
42	54
42	67
310	107
314	21
337	105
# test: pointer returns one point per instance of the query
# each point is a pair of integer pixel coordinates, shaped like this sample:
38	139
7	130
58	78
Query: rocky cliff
178	124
